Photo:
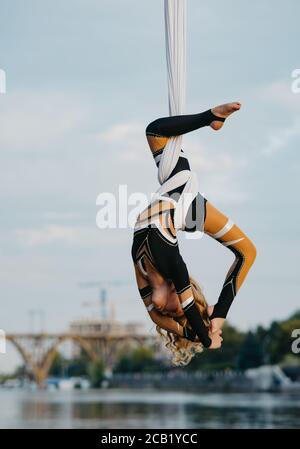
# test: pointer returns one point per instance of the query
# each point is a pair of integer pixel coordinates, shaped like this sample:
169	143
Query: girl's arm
163	321
179	274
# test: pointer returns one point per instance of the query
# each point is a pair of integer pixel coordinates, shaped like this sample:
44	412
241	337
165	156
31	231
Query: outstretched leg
221	228
182	124
160	130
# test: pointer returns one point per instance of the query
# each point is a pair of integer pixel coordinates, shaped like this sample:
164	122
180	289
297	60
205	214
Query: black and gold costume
155	231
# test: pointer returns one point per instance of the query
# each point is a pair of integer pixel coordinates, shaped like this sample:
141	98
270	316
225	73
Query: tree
280	338
250	354
69	367
223	358
139	360
96	373
58	366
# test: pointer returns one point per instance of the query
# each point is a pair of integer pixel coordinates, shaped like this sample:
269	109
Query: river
115	408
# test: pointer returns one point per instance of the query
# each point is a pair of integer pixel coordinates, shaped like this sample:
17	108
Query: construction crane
103	287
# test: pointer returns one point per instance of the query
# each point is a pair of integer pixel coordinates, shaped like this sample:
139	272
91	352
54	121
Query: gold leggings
218	226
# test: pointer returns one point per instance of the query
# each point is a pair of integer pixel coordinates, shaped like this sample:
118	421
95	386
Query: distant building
101	327
105	327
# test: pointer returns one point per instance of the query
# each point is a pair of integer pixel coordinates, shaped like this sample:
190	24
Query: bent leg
222	229
181	124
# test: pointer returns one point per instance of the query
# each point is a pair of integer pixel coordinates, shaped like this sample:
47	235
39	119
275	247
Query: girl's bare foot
223	111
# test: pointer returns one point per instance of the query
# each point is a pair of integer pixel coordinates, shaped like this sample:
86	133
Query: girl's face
173	305
164	296
166	300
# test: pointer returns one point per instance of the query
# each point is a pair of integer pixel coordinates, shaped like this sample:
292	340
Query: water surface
114	408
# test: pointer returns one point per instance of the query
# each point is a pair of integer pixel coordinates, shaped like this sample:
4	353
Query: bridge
38	350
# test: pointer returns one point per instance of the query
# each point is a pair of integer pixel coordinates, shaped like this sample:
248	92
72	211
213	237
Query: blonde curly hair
183	350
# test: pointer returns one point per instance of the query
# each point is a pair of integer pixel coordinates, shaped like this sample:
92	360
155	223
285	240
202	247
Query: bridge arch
40	368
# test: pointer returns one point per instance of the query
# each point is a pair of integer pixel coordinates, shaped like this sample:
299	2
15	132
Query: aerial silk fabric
175	35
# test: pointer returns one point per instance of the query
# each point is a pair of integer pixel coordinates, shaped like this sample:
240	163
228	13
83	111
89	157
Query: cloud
219	171
69	235
61	216
215	169
210	161
280	138
280	92
129	138
120	132
30	118
126	139
278	117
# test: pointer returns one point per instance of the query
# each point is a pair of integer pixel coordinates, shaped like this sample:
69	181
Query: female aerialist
173	299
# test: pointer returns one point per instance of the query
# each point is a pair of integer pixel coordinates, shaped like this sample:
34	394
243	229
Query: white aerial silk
175	29
175	33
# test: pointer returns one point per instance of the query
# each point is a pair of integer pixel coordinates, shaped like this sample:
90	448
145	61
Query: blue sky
84	77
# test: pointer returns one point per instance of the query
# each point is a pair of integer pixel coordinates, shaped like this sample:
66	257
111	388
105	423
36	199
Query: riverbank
265	378
262	379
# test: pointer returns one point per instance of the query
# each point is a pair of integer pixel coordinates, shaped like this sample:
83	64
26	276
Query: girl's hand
216	339
216	323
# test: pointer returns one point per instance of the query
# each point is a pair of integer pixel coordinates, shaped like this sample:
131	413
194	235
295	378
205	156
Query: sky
84	78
